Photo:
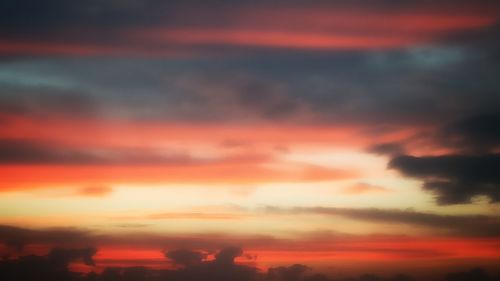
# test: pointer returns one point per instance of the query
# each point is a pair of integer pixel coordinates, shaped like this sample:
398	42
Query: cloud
194	216
105	28
460	225
21	151
454	179
95	191
227	255
14	151
27	164
40	98
185	257
61	258
290	273
373	89
468	169
17	237
362	188
57	266
144	248
473	134
390	148
471	275
221	269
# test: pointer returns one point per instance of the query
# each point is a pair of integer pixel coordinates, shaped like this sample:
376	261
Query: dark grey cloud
425	84
19	151
42	101
389	148
470	168
378	89
32	152
474	134
454	179
109	13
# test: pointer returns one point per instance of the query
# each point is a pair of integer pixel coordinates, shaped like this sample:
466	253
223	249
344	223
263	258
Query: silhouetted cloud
470	169
227	255
474	134
185	257
221	269
55	266
291	273
472	275
455	179
61	258
18	237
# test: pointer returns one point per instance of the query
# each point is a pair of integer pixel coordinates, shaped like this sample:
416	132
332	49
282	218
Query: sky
347	136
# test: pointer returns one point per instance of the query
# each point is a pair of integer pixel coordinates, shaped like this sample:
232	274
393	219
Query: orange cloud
361	188
275	39
15	177
194	216
95	190
103	133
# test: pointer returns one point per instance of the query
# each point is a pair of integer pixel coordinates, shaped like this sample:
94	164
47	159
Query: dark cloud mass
185	257
290	273
56	266
454	178
472	169
474	134
189	264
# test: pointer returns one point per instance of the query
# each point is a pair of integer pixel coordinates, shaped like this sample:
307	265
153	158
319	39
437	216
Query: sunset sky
349	136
